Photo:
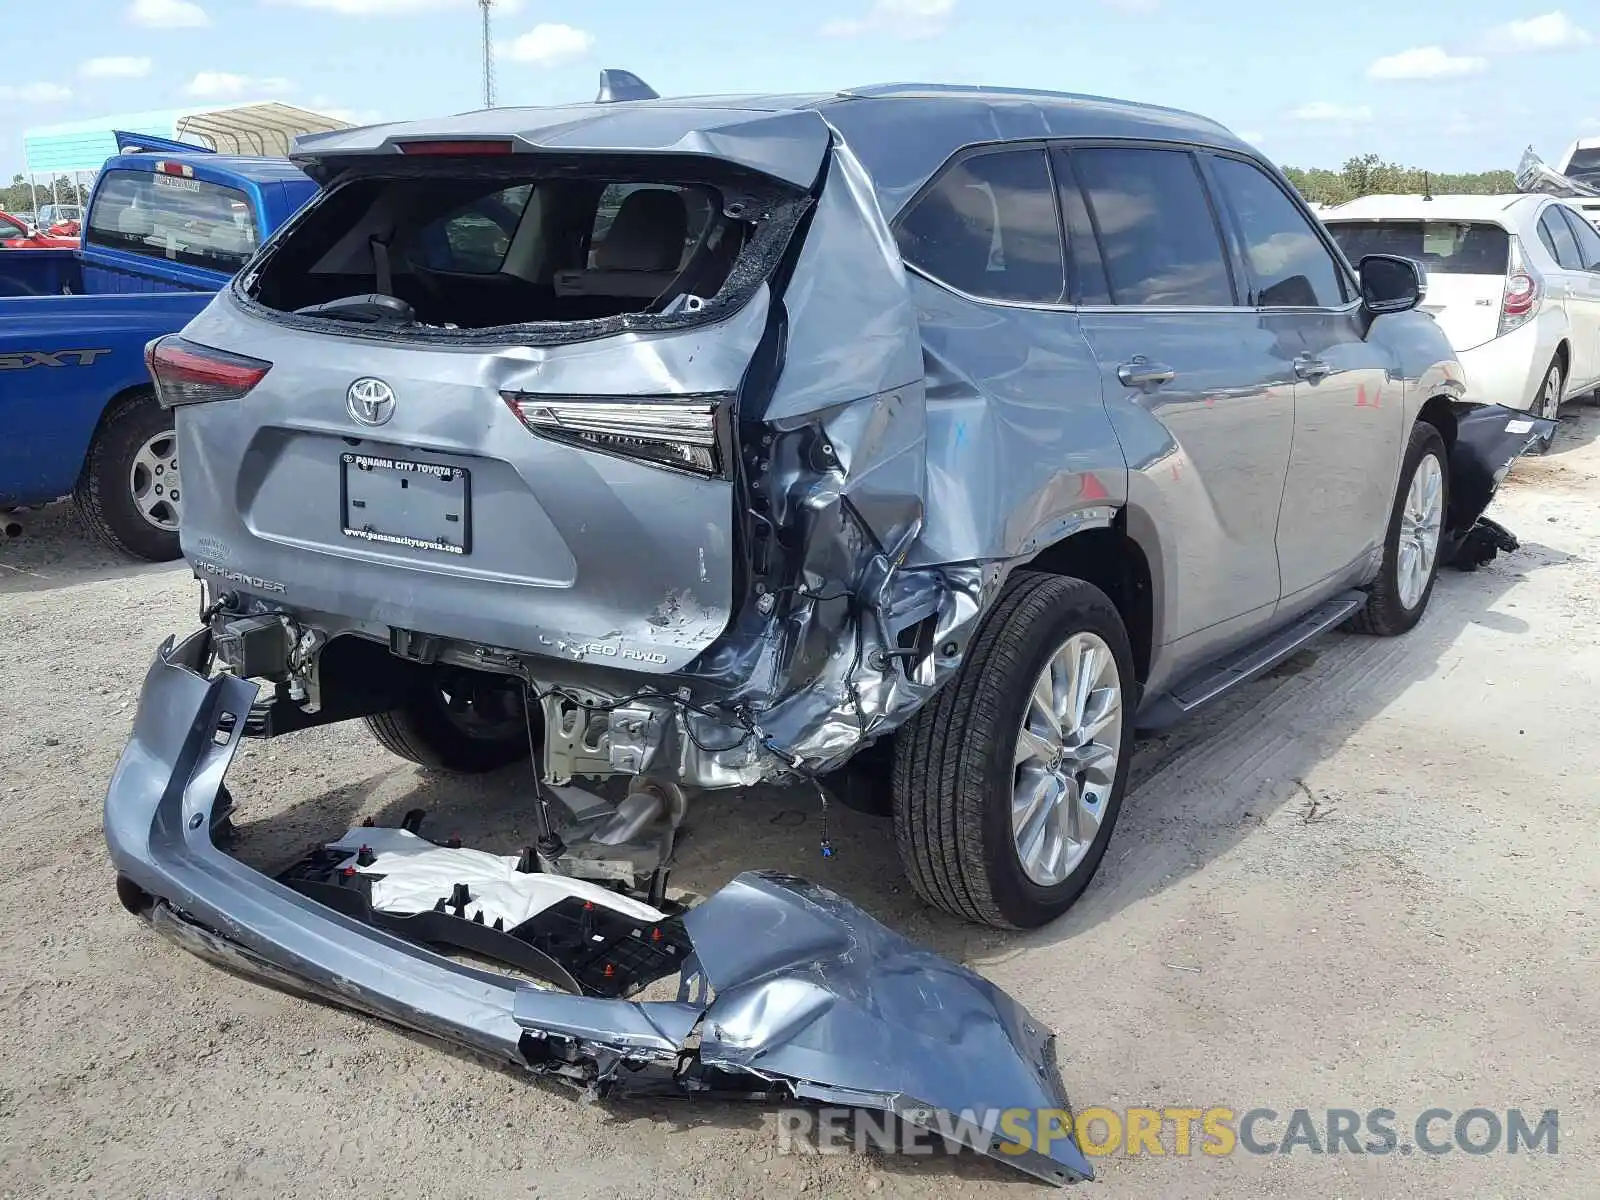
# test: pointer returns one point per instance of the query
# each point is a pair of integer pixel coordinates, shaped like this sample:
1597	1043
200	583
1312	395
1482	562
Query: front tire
1404	585
1008	783
129	493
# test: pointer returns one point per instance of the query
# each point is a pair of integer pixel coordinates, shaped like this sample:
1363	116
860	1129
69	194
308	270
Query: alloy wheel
1550	395
1066	759
1421	520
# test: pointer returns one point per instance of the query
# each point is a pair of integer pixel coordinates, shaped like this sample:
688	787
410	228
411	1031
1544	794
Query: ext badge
370	401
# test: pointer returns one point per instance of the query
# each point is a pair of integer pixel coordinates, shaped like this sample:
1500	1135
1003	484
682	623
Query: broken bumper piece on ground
1489	439
787	991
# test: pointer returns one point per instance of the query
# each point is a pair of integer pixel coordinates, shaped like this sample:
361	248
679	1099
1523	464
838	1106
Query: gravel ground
1369	880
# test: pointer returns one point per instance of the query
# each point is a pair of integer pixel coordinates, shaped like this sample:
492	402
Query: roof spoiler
148	143
616	85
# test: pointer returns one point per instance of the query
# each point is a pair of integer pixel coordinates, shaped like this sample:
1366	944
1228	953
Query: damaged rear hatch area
786	991
478	364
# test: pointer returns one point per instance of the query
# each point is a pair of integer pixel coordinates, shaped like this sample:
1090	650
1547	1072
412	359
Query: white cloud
1321	110
1426	62
545	45
168	14
898	18
115	67
224	85
1255	139
34	93
1552	31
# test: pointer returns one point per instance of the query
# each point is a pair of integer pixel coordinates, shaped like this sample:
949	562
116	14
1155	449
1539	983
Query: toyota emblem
370	401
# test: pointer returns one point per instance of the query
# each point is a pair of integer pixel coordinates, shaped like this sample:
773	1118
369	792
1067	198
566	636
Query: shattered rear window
573	252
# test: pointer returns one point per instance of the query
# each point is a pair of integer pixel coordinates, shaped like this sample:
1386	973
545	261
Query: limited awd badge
370	401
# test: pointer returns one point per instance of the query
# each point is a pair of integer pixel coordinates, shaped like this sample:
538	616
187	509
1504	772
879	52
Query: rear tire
1390	610
105	493
1551	394
464	732
957	777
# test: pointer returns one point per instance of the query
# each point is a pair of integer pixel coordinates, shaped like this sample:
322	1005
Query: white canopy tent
79	148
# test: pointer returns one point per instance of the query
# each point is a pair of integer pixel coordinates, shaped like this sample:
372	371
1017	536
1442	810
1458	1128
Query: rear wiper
374	308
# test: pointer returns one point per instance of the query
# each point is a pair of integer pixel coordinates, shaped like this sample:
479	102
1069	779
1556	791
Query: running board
1243	665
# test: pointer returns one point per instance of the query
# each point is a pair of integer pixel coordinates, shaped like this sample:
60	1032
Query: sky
1447	85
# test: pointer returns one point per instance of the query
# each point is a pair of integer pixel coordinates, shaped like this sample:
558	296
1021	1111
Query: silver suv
711	442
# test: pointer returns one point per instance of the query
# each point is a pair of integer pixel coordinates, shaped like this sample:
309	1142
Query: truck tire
427	731
129	493
994	819
1399	596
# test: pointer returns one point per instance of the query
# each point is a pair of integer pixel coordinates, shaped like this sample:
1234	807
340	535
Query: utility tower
488	55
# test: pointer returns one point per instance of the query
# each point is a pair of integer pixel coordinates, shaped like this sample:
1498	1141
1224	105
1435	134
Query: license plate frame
443	487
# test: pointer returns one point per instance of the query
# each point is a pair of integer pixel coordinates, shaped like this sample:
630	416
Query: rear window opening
471	249
1442	247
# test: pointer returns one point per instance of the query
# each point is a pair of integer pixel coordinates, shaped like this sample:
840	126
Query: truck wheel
129	493
1009	781
460	726
1400	594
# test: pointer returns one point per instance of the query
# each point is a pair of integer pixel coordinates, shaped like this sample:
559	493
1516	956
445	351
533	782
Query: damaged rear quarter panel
916	444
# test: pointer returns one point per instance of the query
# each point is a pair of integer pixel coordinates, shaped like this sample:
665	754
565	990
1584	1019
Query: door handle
1140	372
1309	367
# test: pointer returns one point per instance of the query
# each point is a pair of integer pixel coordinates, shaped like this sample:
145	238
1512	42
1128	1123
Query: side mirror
1390	283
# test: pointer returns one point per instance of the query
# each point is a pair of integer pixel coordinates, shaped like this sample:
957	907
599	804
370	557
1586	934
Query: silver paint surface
962	438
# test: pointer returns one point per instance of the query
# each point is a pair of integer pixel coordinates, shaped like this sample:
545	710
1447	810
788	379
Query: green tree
1369	175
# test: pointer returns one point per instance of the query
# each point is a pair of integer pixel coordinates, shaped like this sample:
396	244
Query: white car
1514	282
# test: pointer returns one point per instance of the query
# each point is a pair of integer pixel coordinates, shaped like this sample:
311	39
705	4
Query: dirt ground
1370	880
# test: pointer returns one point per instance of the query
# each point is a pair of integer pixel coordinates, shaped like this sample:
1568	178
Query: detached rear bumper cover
813	999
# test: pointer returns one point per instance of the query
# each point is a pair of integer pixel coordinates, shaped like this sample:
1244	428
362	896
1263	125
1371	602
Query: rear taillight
1521	294
676	432
187	373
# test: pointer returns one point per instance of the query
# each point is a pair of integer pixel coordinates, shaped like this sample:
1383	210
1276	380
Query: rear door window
1558	239
1588	240
1442	247
1288	260
189	221
988	227
1158	236
475	238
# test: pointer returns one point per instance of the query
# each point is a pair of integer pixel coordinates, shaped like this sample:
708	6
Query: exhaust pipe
11	525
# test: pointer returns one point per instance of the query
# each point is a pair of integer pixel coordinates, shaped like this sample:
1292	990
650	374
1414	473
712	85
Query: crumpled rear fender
795	992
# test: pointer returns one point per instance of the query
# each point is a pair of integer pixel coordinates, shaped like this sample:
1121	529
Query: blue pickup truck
168	224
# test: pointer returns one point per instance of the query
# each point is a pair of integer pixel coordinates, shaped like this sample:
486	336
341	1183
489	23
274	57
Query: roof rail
617	85
148	143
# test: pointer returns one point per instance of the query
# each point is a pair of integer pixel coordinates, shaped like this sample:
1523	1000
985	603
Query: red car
15	235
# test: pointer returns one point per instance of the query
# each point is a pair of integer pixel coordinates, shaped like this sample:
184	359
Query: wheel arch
1439	412
1111	559
113	403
